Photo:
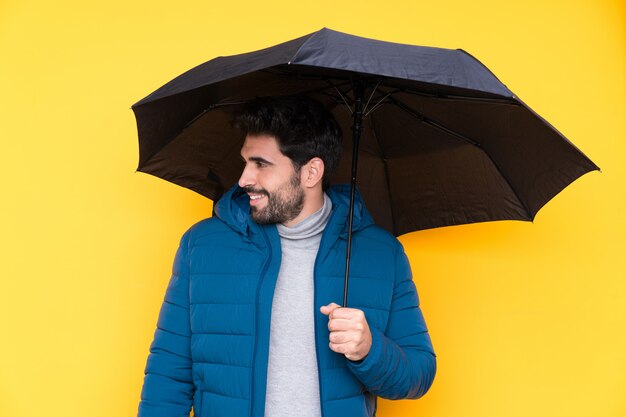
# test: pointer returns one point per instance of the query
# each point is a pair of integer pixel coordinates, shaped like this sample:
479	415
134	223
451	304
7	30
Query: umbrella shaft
356	136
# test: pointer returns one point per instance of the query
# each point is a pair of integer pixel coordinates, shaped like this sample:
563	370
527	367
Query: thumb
326	310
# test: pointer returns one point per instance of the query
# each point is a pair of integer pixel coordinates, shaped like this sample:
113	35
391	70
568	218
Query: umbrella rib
211	107
377	105
344	99
441	127
510	101
433	123
370	98
179	131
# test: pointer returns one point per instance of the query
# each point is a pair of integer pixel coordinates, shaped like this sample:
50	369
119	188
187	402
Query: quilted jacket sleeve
401	362
168	388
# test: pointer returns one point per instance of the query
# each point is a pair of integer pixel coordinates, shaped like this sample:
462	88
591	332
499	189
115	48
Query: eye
261	164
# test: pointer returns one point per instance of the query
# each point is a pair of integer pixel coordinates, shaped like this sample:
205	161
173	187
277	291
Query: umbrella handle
357	115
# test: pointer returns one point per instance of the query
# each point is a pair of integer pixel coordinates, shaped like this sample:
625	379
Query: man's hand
349	333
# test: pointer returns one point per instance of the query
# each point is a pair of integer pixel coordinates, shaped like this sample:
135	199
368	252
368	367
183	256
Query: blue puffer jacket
210	349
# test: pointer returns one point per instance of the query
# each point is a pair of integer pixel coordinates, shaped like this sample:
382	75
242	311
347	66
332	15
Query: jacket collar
234	210
340	197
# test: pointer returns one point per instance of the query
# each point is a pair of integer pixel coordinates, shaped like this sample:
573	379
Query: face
276	194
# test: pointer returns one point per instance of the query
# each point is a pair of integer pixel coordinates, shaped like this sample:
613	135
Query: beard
283	205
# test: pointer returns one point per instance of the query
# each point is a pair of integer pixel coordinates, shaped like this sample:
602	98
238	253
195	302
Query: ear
312	172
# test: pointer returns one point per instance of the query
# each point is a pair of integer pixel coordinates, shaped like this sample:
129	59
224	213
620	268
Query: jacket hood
234	210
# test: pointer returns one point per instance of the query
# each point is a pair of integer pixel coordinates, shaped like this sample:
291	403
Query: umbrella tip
327	29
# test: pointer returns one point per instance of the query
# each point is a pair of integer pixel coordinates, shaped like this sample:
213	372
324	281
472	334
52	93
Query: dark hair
303	128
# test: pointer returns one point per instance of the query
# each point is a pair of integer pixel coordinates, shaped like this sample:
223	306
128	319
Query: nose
247	177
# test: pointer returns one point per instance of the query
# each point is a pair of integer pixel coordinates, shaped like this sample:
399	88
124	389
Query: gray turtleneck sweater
292	381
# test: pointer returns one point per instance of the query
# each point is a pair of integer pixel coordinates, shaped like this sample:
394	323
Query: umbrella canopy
443	141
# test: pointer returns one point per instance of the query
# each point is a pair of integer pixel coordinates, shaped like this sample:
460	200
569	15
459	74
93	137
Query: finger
327	309
341	337
347	313
342	325
339	347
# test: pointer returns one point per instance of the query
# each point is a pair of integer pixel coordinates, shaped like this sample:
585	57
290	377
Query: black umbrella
443	141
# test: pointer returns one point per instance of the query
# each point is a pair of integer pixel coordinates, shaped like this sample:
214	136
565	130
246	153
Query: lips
256	199
256	196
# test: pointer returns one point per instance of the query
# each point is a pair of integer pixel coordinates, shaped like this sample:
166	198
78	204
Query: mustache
249	189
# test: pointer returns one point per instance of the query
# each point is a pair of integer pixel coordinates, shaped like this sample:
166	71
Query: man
249	325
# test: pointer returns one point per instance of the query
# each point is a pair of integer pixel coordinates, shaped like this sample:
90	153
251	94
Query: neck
311	227
313	201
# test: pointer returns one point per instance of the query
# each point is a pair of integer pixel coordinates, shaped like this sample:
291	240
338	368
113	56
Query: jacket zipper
256	318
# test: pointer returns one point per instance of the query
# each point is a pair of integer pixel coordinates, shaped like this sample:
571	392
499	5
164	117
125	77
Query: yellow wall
528	319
